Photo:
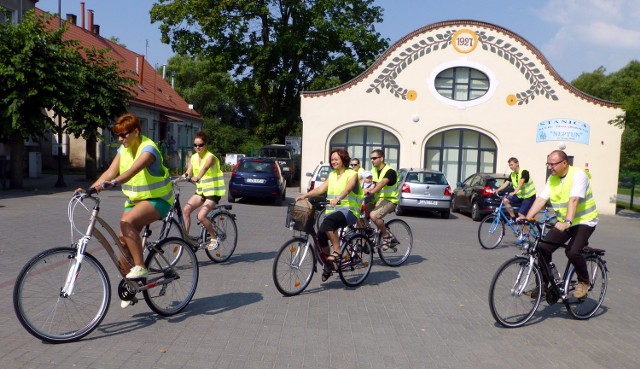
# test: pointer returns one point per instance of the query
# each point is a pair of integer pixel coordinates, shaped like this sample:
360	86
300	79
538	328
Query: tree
35	75
104	91
273	49
622	86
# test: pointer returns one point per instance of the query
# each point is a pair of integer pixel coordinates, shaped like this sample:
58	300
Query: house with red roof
165	116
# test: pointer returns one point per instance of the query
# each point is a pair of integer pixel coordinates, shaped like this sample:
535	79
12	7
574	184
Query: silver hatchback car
424	189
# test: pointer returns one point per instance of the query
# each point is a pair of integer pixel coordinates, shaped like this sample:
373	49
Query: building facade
463	97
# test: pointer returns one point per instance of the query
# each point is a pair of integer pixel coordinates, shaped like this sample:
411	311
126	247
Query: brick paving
431	312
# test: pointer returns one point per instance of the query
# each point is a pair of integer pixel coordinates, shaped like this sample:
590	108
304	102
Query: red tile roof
156	93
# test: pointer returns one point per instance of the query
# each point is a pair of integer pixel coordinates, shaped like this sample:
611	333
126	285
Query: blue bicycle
493	227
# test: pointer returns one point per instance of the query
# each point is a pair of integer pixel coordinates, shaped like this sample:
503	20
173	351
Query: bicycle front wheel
587	307
400	248
227	231
491	231
355	260
293	266
48	315
175	280
515	292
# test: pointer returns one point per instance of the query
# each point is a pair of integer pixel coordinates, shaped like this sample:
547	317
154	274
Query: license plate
256	180
427	202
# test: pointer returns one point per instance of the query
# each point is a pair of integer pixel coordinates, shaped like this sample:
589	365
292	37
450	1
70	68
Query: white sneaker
137	272
213	245
125	303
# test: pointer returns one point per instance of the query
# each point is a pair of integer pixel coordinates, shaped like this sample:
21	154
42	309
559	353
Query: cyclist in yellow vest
345	198
385	192
145	181
523	194
569	191
204	170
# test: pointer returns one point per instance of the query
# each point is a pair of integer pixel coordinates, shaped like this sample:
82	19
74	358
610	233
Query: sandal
326	274
333	257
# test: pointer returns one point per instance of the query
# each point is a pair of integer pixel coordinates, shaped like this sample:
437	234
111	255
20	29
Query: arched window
359	141
458	153
462	83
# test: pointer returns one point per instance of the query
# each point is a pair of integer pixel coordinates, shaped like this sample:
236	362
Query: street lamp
60	182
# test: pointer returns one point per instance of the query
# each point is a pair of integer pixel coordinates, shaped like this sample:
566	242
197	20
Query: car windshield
323	173
275	153
255	167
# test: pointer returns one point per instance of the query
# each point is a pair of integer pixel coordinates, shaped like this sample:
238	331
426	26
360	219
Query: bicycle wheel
46	314
587	307
355	260
293	266
491	231
400	249
227	230
515	292
175	281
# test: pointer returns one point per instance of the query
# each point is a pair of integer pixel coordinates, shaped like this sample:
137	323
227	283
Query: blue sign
563	129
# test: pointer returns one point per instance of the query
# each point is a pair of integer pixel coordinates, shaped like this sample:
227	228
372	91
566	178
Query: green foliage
622	86
266	52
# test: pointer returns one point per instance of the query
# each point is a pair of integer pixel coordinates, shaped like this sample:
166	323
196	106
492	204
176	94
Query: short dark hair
356	160
378	152
203	136
512	159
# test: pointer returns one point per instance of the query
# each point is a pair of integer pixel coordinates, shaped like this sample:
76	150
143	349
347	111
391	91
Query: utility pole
60	182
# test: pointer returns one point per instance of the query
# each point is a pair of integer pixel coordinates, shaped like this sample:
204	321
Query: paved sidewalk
431	312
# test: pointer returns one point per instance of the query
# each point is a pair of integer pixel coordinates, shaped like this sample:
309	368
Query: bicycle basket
300	216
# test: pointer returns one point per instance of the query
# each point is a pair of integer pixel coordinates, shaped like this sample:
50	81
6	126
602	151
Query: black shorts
213	198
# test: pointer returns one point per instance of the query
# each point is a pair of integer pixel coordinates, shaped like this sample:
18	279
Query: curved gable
466	37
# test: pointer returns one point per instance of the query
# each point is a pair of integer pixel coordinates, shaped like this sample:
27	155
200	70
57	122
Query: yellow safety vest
143	185
527	190
353	201
212	182
559	197
389	193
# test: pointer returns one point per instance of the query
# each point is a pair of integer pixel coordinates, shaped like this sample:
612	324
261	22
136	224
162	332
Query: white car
319	175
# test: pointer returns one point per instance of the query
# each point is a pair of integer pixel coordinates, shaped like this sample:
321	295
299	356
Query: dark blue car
257	178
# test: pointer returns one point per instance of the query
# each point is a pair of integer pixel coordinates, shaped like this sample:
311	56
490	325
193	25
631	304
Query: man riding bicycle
386	194
523	195
569	190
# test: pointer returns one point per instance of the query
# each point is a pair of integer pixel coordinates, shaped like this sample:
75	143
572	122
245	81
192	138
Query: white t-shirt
578	189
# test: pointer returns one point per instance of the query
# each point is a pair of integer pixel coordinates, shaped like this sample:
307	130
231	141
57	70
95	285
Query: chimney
141	70
90	20
72	18
96	29
82	13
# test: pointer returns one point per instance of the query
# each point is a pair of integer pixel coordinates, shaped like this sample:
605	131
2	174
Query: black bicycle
517	287
221	217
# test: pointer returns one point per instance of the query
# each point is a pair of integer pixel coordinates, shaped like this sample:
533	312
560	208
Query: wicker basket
300	217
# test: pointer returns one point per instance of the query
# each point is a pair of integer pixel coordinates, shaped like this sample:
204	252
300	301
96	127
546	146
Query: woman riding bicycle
345	196
204	170
145	181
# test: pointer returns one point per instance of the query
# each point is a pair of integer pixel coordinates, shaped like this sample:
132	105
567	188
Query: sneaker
137	272
520	240
125	303
581	290
213	245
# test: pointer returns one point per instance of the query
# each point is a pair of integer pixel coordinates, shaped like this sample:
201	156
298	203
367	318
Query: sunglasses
374	157
198	145
123	134
353	165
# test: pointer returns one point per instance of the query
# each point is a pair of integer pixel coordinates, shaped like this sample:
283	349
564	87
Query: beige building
463	97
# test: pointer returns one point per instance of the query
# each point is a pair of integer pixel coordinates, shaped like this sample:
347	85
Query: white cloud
610	35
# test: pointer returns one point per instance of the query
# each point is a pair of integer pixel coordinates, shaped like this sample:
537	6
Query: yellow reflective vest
389	193
353	201
143	185
212	182
527	190
559	197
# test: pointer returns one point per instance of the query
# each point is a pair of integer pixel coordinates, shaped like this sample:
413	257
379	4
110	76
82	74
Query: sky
576	36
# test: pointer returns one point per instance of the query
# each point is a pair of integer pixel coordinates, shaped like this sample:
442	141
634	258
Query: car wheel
475	212
453	205
445	214
230	198
399	210
278	200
